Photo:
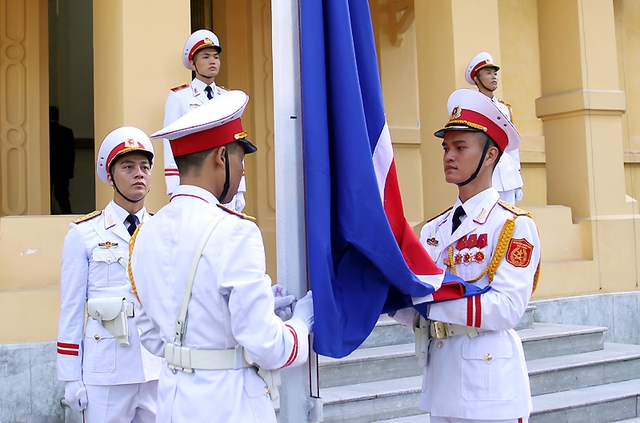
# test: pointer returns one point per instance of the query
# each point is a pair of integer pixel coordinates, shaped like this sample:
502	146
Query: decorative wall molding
13	108
401	16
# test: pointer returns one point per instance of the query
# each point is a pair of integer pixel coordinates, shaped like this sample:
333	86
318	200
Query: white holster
421	330
112	313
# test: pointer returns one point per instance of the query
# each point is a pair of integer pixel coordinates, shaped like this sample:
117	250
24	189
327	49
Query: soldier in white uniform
202	262
201	54
474	365
105	368
507	179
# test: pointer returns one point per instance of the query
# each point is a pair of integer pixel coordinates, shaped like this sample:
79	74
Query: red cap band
122	148
207	139
481	122
198	46
478	66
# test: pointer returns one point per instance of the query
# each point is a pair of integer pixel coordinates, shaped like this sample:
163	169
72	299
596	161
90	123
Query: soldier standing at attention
198	268
108	373
483	73
201	54
474	365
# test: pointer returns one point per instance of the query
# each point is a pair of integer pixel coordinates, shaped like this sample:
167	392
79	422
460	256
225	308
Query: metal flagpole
299	400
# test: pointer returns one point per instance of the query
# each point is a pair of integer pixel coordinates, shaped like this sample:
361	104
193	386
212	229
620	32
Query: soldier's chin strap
120	192
225	190
475	174
484	86
201	74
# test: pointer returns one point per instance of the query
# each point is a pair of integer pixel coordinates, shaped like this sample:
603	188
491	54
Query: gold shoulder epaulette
513	209
237	213
223	87
437	216
505	103
179	87
87	216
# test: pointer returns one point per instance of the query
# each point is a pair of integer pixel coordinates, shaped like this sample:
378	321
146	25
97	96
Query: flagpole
298	402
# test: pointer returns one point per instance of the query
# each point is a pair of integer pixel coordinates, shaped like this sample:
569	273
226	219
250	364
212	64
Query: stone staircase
575	376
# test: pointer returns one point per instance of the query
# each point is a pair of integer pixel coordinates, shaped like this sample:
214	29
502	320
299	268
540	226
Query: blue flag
364	259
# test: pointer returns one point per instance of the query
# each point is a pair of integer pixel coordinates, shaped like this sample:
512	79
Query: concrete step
595	404
388	332
372	401
418	418
614	363
551	340
393	361
369	365
633	420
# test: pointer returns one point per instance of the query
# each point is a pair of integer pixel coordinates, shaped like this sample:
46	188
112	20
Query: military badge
455	113
131	143
432	242
108	244
519	252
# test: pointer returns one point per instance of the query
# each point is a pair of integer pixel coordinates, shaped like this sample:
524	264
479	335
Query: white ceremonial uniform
94	259
485	377
180	101
507	179
231	304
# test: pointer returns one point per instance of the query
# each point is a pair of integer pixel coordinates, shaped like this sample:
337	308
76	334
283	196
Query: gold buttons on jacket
96	337
440	344
266	390
488	357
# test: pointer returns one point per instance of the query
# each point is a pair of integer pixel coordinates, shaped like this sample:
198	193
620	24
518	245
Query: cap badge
208	41
456	113
131	143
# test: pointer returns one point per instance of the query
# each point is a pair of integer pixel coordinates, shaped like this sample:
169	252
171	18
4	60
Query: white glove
239	201
75	394
304	310
283	303
519	194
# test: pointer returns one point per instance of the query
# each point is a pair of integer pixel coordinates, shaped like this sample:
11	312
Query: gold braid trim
535	278
129	271
501	248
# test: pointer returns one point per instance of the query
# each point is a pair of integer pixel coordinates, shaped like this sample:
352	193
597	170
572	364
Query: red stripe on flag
413	252
469	311
64	345
478	300
449	291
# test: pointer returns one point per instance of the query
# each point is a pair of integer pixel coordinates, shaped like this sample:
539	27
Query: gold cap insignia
131	143
207	41
455	113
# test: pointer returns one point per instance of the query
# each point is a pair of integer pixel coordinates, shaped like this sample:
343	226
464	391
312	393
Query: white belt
442	330
188	360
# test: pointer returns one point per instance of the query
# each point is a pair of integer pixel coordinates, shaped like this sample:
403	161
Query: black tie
457	218
209	91
133	223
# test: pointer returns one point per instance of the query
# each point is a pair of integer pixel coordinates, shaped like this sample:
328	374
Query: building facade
567	68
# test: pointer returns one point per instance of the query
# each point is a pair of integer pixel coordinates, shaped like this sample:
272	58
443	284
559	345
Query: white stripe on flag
382	158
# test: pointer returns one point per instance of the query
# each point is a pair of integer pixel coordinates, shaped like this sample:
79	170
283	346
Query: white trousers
435	419
130	403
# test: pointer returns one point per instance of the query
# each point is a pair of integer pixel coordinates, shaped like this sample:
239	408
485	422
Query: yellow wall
576	104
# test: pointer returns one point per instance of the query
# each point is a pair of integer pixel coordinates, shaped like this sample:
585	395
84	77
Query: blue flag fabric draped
363	257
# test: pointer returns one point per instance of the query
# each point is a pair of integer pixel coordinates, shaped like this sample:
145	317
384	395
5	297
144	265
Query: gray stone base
30	391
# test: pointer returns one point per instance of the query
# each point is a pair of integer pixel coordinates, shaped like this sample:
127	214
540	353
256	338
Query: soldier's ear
110	179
